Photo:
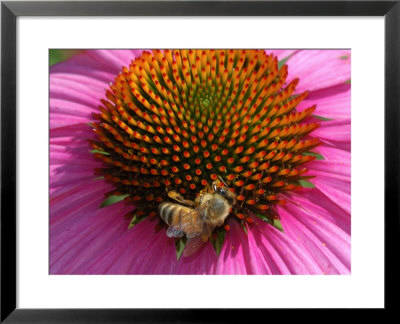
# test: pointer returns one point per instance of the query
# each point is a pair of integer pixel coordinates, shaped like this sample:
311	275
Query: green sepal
98	178
317	155
305	183
135	219
180	246
55	56
283	61
100	152
277	224
244	227
112	200
273	221
321	118
218	242
60	55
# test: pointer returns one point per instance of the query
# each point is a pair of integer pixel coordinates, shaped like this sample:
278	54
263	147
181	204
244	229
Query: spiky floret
178	120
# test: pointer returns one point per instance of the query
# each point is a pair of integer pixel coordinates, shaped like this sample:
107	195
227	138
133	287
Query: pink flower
86	239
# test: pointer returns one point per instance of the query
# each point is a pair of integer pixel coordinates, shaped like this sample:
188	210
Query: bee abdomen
169	212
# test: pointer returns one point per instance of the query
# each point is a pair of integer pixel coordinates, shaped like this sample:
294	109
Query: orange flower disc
181	119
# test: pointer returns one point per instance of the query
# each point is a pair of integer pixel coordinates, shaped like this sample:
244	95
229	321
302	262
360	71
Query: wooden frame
11	10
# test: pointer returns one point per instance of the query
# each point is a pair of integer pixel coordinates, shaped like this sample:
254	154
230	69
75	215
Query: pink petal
79	228
235	256
87	239
335	184
280	253
142	252
332	103
84	65
117	258
75	133
333	175
334	131
261	260
75	90
327	243
77	198
336	167
75	179
281	53
318	69
70	159
338	190
333	153
68	107
114	59
202	262
77	85
314	202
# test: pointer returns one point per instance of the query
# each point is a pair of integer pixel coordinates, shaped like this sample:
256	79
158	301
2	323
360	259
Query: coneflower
178	120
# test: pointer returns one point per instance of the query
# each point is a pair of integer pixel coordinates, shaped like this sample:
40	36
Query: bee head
225	192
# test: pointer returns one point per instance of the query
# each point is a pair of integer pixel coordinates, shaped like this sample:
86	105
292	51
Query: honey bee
197	219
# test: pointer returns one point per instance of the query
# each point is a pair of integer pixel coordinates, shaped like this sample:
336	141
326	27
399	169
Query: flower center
179	120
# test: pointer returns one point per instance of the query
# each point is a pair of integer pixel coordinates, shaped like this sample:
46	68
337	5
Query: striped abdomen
182	220
171	213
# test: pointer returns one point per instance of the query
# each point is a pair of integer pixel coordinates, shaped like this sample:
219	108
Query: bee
197	219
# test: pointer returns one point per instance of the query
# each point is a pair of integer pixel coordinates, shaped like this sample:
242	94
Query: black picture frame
10	10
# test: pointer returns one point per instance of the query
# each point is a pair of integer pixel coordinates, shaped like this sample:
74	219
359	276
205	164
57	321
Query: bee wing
174	231
195	241
194	244
189	224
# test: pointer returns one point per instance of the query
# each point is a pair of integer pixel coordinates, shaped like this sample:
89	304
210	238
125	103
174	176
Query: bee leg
174	231
178	197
